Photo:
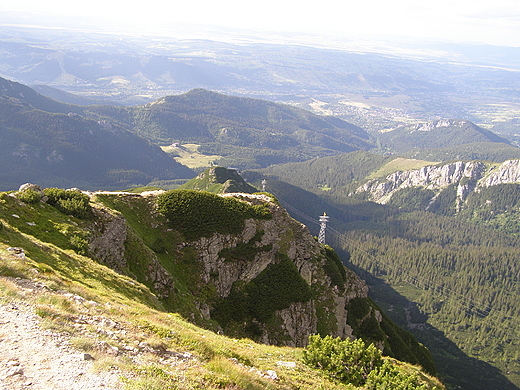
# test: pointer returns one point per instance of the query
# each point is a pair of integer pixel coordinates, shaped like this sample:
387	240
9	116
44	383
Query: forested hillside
487	151
449	274
50	143
248	133
436	134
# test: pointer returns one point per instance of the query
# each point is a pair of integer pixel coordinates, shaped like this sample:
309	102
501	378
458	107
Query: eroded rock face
429	177
298	323
107	245
281	234
507	172
265	240
468	176
108	242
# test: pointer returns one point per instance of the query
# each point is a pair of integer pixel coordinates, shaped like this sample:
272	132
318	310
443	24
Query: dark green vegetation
463	279
397	342
437	134
248	133
219	180
275	288
201	214
245	250
358	363
328	175
497	207
69	202
50	143
450	274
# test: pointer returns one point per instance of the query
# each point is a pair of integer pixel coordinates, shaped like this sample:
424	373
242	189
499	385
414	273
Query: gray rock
29	186
88	356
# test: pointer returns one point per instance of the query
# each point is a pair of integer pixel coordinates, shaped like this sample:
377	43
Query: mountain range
51	143
99	146
386	211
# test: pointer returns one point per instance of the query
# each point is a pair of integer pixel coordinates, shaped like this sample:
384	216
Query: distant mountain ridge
437	134
50	143
249	133
70	98
101	145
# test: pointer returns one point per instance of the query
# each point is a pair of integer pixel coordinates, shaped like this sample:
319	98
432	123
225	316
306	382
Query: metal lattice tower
323	223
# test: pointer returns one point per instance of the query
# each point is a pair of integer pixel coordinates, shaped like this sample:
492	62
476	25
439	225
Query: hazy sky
487	21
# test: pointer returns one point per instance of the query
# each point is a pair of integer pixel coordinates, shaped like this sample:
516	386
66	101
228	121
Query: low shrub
275	288
29	196
389	377
344	360
246	250
201	214
79	244
334	268
70	202
355	363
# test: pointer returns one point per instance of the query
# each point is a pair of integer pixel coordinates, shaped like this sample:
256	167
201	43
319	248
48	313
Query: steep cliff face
264	277
507	172
429	177
265	252
465	176
268	240
109	238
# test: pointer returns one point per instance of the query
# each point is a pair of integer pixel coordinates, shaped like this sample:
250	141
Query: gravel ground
34	358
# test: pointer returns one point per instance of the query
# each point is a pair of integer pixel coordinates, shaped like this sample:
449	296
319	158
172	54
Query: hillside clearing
188	155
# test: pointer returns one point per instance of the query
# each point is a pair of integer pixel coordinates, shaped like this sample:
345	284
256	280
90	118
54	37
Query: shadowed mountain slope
49	142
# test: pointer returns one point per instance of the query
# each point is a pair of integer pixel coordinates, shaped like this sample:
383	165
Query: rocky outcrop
109	235
107	243
429	177
432	125
223	265
281	234
467	176
507	172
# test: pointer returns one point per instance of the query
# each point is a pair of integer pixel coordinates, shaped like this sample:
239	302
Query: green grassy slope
150	341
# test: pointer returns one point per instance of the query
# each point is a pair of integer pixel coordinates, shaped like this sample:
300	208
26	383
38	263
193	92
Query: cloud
498	13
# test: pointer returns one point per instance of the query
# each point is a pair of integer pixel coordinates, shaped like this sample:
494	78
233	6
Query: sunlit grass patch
188	154
399	164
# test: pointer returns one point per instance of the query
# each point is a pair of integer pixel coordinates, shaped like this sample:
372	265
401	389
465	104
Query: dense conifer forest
450	274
